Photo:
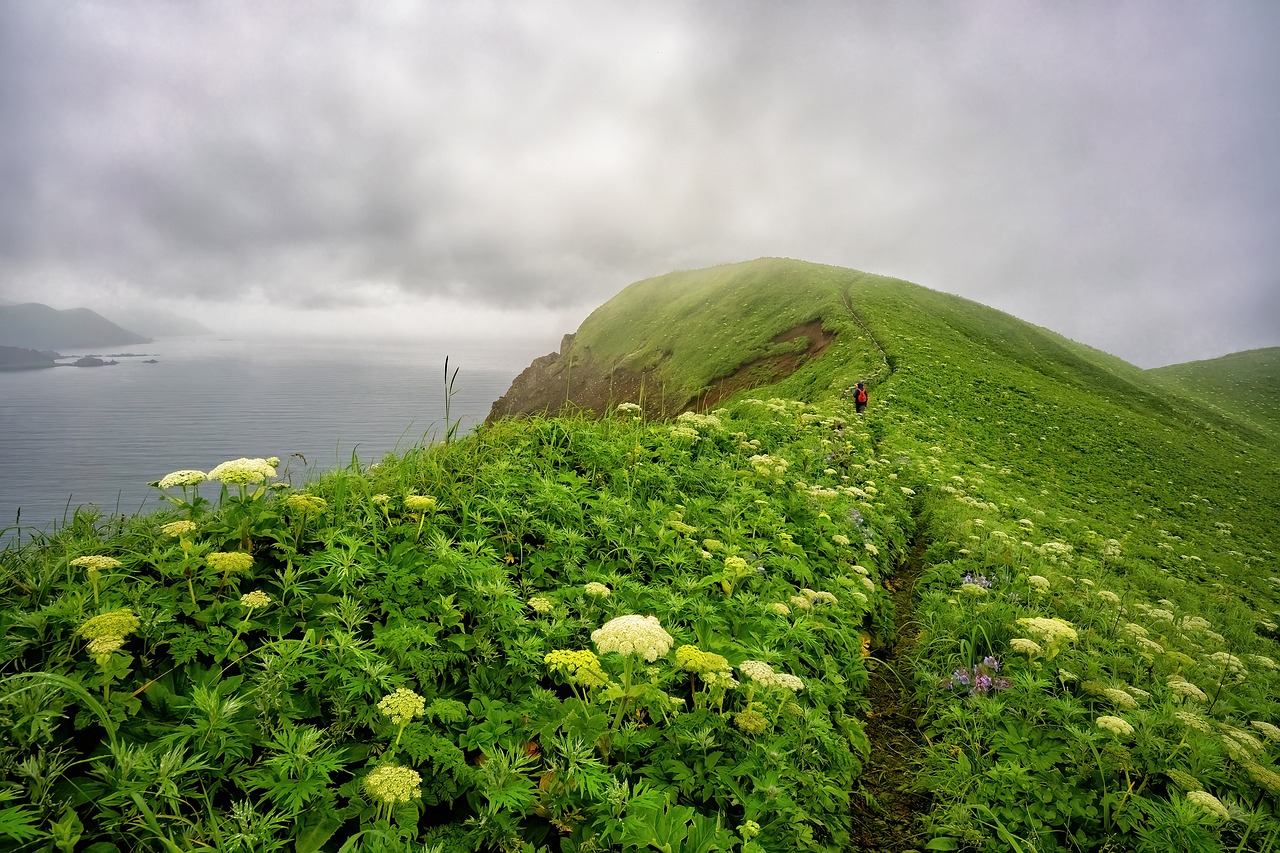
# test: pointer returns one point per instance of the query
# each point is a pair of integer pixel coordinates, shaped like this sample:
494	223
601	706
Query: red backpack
862	395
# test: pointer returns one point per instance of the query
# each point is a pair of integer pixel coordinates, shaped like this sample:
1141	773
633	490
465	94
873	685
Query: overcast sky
1107	169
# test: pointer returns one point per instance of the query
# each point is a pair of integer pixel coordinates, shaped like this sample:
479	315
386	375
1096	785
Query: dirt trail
887	812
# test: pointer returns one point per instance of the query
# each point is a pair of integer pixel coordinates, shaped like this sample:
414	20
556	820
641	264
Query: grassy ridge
1244	386
1097	620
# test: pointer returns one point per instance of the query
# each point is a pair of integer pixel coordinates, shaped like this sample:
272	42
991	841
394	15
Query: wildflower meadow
618	632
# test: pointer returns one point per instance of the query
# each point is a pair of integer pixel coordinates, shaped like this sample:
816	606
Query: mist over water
74	436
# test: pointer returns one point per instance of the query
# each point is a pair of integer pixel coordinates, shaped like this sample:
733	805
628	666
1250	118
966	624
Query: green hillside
1243	385
1027	601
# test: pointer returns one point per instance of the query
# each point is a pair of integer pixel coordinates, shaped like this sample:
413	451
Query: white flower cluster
1181	687
243	471
595	589
632	634
764	675
1115	725
707	423
187	477
1209	804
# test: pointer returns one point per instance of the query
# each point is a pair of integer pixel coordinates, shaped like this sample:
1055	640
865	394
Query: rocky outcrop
573	379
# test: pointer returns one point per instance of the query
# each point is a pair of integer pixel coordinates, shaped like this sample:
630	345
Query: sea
94	437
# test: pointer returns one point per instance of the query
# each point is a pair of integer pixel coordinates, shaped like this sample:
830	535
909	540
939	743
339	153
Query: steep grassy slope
1246	385
1093	643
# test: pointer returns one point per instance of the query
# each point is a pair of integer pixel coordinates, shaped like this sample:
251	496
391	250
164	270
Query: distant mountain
18	358
35	326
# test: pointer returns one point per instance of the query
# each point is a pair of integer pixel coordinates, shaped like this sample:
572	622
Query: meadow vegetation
574	634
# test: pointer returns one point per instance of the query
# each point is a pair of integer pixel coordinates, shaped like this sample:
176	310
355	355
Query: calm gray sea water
72	436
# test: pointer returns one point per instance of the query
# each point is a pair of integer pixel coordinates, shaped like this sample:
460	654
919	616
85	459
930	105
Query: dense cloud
1104	169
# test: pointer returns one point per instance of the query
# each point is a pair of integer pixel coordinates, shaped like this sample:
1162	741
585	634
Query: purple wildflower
979	679
978	580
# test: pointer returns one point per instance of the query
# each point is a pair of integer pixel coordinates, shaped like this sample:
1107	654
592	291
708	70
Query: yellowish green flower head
1263	777
779	608
748	830
541	604
380	499
254	600
305	503
178	528
1229	663
1025	646
402	705
736	567
751	722
1051	633
229	561
419	503
1186	690
393	784
96	562
101	648
1269	731
693	659
596	589
580	667
187	477
1116	726
1209	804
801	602
626	635
243	471
1185	781
117	623
628	409
1039	583
1120	698
1247	742
1193	721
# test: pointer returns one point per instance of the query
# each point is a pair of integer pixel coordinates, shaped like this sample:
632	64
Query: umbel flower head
751	722
541	604
693	659
579	667
254	600
402	705
595	589
393	784
96	562
419	503
243	471
102	648
229	561
117	623
1115	725
641	635
764	675
1209	804
304	503
178	528
186	477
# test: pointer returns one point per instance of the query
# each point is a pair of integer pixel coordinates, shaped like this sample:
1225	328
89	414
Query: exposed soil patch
576	380
886	815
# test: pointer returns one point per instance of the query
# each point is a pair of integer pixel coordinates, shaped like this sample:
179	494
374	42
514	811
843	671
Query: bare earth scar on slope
551	383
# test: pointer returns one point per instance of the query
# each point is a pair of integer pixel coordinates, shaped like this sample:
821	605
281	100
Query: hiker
860	396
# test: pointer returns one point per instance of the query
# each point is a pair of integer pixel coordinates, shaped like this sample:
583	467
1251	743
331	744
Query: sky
1103	168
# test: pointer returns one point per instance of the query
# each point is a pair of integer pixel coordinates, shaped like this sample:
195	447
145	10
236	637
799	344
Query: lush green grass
1044	479
1243	385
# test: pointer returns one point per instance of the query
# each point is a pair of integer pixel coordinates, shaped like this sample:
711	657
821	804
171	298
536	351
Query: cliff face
574	379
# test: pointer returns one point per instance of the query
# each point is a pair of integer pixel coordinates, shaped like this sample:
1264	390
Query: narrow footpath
887	810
